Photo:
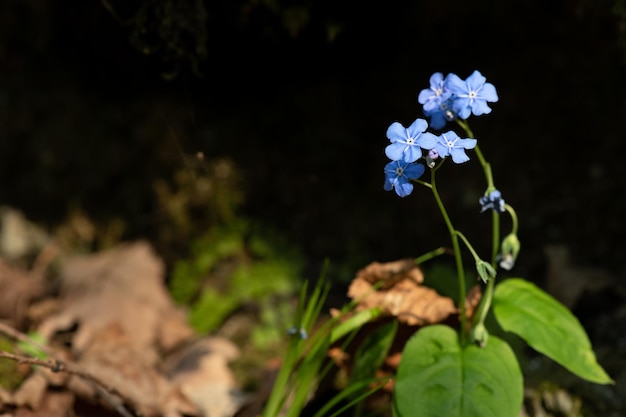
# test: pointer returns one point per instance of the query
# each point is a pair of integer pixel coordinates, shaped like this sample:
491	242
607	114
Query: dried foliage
114	338
400	293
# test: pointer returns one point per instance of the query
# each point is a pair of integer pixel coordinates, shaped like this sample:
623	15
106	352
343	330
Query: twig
107	392
17	335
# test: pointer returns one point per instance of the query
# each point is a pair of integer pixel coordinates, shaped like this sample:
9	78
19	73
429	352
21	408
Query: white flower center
449	143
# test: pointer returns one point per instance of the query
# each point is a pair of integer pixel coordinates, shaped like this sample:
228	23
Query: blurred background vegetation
167	120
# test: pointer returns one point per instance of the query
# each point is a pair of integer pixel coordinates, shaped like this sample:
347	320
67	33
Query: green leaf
304	379
437	377
371	354
354	322
352	396
547	326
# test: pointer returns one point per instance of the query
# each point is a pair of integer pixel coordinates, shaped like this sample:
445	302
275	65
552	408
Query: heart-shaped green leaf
437	377
547	326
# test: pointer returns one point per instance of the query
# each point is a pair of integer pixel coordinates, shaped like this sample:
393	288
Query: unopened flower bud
480	335
509	250
493	201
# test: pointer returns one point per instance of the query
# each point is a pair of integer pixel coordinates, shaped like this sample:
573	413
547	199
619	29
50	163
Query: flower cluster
447	99
406	148
451	97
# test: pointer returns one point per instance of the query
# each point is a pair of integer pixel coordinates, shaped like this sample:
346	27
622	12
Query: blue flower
398	175
471	96
406	143
493	201
438	93
450	143
442	114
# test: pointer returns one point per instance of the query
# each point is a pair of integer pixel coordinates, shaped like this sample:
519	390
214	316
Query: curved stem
469	246
514	221
457	256
481	158
485	302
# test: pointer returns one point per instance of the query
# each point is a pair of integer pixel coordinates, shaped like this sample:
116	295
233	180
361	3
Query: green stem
481	158
514	221
495	236
469	246
457	256
485	302
430	255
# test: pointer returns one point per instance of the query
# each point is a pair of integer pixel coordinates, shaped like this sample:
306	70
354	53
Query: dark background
98	100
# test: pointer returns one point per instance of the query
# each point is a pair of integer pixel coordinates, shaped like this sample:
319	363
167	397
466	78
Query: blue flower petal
462	108
436	79
475	81
480	107
425	97
456	84
388	184
437	120
395	151
427	140
417	127
398	175
442	150
412	153
432	97
488	92
396	132
458	155
468	143
414	171
449	143
403	188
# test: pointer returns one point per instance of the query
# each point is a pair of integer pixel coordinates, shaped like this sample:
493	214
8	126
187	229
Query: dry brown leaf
390	273
31	391
53	404
125	319
401	295
5	396
119	321
472	299
201	373
124	285
113	360
18	289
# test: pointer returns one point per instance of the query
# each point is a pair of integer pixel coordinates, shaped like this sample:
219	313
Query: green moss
211	310
236	266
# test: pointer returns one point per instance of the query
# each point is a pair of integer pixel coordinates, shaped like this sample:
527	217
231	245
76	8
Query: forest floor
98	334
